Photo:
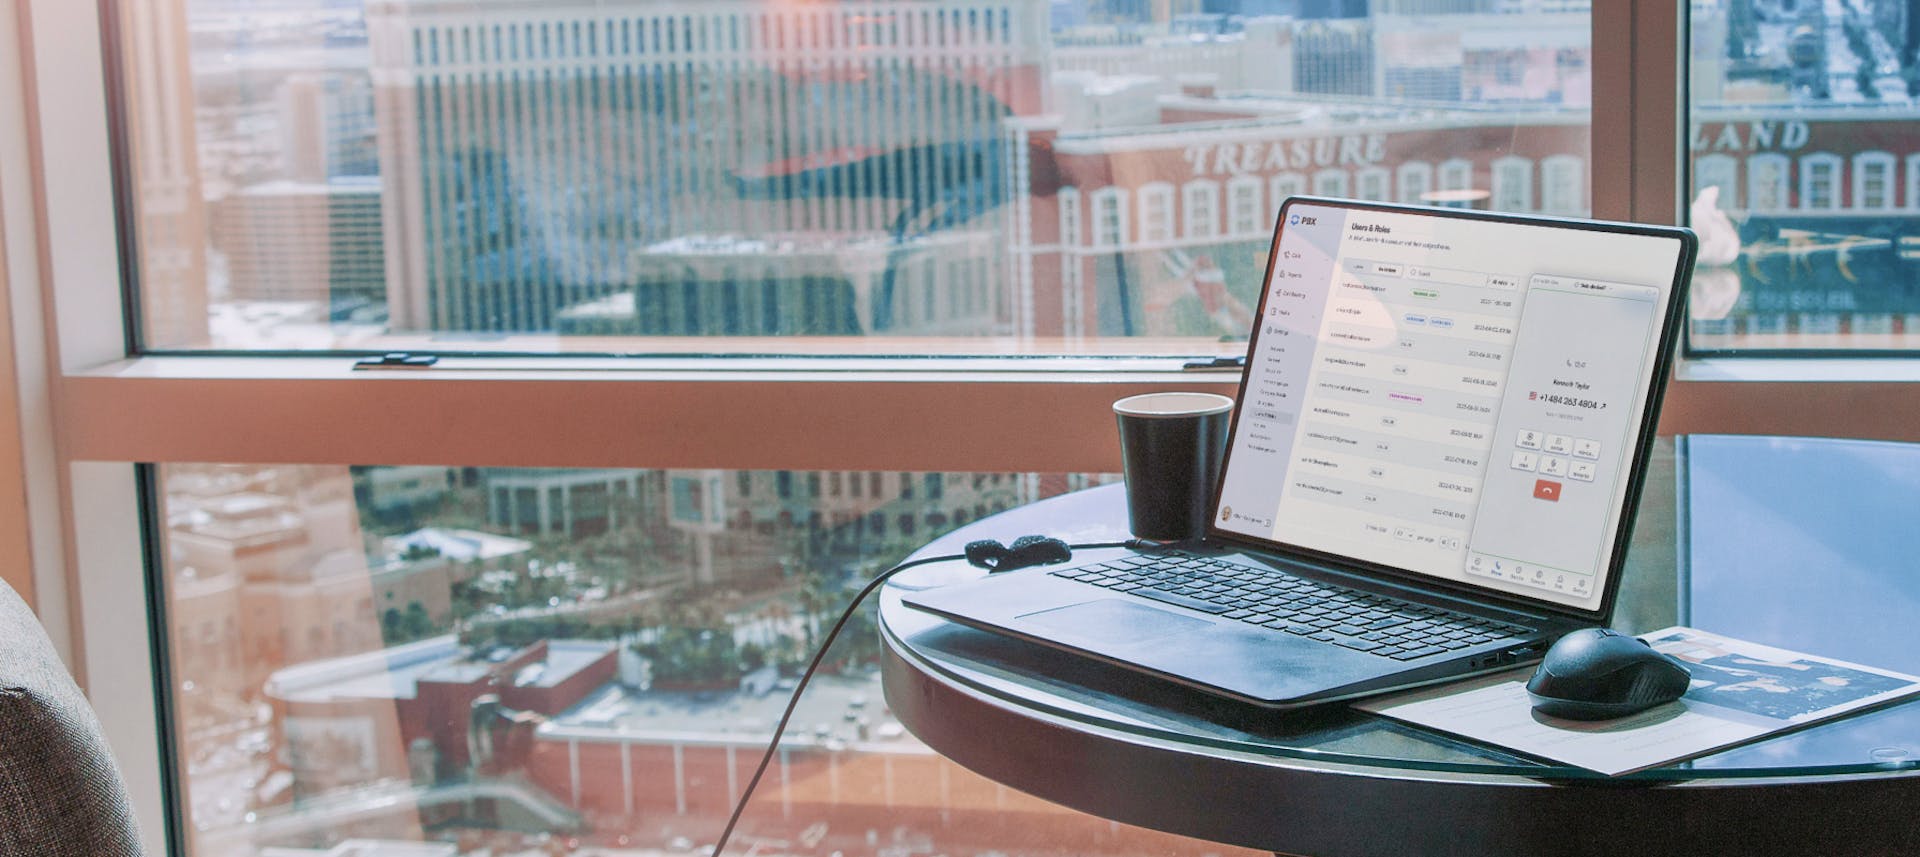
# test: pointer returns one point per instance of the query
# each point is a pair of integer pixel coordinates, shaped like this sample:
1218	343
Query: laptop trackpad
1114	621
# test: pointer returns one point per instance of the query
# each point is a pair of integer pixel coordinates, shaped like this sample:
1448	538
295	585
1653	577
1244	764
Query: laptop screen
1460	397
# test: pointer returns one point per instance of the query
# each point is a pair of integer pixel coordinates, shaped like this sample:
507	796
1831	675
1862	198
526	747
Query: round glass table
1799	544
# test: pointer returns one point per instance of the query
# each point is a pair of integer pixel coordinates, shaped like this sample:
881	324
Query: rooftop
393	673
368	186
396	673
463	545
830	713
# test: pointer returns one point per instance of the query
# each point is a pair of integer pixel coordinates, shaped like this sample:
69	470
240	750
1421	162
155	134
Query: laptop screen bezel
1642	447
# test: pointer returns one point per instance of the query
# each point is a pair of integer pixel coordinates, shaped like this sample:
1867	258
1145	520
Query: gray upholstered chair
60	792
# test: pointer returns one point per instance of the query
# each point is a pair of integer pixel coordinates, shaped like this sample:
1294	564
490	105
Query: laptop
1435	456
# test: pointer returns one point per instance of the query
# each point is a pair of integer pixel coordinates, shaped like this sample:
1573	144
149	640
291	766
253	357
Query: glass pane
961	176
519	661
873	791
1805	157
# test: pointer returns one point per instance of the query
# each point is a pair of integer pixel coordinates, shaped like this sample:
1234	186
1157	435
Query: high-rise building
804	284
530	150
269	567
326	126
316	242
559	501
1541	57
164	162
768	524
1333	57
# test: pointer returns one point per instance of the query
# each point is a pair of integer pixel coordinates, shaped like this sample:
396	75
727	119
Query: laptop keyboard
1362	621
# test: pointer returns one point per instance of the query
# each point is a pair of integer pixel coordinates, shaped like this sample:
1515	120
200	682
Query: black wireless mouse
1599	674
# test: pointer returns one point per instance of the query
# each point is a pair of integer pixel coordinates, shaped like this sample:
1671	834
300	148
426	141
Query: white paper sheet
1741	691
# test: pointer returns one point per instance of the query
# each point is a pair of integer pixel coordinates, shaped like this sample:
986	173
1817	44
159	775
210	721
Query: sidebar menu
1278	365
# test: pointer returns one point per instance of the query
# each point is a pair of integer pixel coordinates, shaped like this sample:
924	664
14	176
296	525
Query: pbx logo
1298	220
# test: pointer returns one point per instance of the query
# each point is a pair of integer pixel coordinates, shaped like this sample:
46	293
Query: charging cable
990	555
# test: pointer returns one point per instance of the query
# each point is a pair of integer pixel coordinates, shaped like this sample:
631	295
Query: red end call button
1546	489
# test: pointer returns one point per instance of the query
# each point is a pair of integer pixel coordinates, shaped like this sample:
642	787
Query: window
482	226
1873	180
1416	180
1202	210
1767	181
689	507
1373	184
1070	217
1073	298
1820	181
1243	195
1718	171
1818	184
1561	180
1156	213
1284	185
1513	184
1913	181
1330	183
275	571
1109	217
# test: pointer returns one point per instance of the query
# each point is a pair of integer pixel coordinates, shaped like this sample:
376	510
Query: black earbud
1026	551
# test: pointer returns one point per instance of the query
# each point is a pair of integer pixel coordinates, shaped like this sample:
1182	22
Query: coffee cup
1171	446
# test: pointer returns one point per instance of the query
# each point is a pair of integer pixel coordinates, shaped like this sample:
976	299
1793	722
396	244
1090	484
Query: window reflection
643	178
1803	129
497	658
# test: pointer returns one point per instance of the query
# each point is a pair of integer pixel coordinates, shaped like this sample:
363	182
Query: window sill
665	368
986	414
1818	397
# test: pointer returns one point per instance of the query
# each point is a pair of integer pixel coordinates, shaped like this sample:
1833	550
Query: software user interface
1450	396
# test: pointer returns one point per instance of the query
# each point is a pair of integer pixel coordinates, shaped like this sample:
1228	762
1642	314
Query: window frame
1776	180
1379	177
1280	186
1809	168
1332	181
1864	164
1068	198
1099	203
1911	183
1159	213
1413	181
1553	168
77	375
1512	182
1728	166
1243	206
1200	211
